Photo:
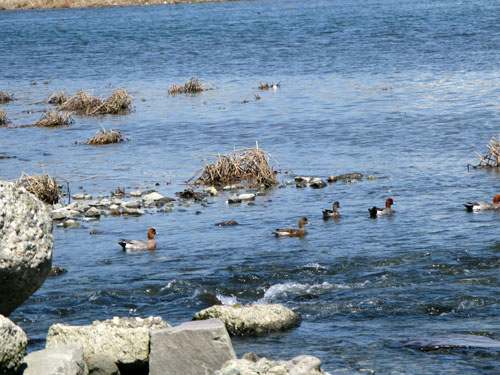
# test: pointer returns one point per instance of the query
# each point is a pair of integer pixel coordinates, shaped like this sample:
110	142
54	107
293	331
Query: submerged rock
453	341
252	320
13	343
300	365
57	271
347	176
125	340
26	243
226	223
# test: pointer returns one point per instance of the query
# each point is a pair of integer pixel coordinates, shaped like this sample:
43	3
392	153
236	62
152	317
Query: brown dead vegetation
268	85
53	119
44	187
192	86
103	137
3	118
250	164
57	98
492	158
119	102
5	97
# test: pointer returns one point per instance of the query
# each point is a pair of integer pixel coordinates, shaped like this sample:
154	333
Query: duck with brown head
292	232
332	213
376	212
483	206
135	245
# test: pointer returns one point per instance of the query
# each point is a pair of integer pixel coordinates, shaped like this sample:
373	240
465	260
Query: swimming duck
293	232
332	213
483	206
375	211
132	245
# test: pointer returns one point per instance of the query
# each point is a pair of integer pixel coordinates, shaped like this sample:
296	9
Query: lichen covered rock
301	365
13	342
125	340
251	320
26	243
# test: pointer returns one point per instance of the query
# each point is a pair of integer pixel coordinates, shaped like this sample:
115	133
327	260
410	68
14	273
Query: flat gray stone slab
192	348
60	360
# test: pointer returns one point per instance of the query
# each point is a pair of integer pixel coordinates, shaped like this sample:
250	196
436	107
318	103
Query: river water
404	91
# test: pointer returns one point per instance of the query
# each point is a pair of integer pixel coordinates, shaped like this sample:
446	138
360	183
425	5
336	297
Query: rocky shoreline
58	4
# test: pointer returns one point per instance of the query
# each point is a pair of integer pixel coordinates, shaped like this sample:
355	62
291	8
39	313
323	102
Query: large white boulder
26	243
252	320
192	348
13	342
124	340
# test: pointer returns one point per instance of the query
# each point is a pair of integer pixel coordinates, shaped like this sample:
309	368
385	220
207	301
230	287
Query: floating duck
293	232
375	211
484	206
133	245
332	213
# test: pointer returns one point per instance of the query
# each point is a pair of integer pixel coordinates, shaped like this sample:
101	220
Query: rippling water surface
401	90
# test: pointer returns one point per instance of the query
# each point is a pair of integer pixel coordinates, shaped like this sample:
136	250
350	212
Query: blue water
405	91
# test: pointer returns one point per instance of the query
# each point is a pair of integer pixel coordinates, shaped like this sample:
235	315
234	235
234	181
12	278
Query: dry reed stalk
492	158
103	137
3	118
119	102
57	98
44	187
53	119
5	98
251	164
268	85
192	86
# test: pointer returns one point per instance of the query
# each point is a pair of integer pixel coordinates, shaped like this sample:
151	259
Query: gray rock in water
193	348
13	342
57	271
453	341
301	365
93	212
252	320
63	360
26	243
125	340
100	364
317	183
154	196
133	211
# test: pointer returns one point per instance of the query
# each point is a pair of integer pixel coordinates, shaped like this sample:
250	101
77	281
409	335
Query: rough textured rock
101	364
13	342
193	348
154	196
26	243
125	340
60	360
301	365
251	320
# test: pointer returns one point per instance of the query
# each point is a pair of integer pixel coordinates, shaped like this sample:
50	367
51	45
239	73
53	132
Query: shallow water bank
56	4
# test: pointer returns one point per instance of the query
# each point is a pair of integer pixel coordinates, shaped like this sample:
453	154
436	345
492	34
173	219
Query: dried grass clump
492	158
5	98
53	119
44	187
83	103
251	164
3	118
57	98
268	85
192	86
103	137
